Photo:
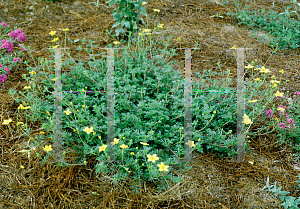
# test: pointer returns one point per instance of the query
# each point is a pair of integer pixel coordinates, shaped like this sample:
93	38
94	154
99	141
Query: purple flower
0	65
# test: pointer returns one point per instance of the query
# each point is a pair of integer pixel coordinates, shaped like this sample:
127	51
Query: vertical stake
110	105
240	106
187	106
57	129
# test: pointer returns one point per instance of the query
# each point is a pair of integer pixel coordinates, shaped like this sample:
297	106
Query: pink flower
18	31
17	59
13	34
7	70
269	112
20	45
7	45
3	24
21	37
282	124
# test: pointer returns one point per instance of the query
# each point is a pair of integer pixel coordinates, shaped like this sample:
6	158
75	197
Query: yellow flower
54	79
66	29
99	137
116	42
143	143
27	87
123	137
281	71
54	40
84	162
6	122
247	120
132	153
123	146
83	106
257	79
67	112
253	101
102	148
278	94
116	141
32	72
233	47
22	166
18	123
48	112
77	110
82	90
178	39
55	46
48	148
140	34
144	3
163	167
274	81
280	109
152	158
148	34
156	10
190	143
264	70
42	132
160	25
88	130
199	140
249	66
147	30
214	112
94	133
251	162
20	107
52	33
255	60
71	103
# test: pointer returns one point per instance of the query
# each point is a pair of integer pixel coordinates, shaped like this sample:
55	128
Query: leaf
127	24
117	16
115	24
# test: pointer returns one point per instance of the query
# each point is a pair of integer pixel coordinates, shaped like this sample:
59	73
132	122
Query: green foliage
149	108
289	202
127	16
284	29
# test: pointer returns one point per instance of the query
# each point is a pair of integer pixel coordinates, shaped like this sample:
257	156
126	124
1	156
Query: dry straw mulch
211	182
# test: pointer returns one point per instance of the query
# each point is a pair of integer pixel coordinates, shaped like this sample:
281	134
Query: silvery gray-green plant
282	27
289	202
